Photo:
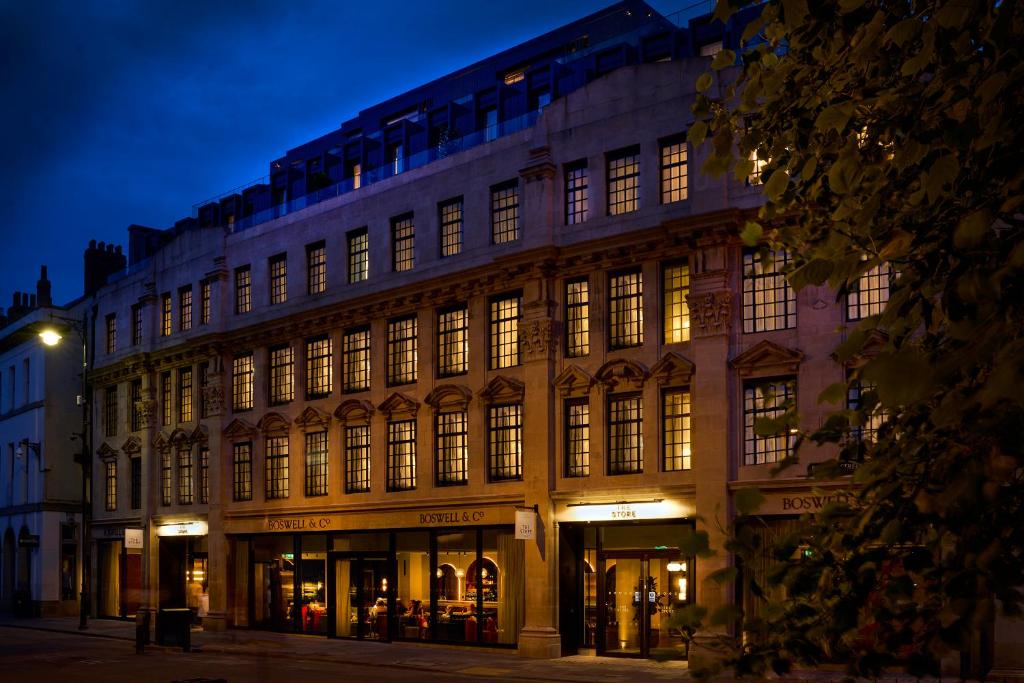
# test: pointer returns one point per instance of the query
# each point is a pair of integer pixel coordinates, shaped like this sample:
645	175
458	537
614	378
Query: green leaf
723	575
751	233
942	173
695	544
901	378
848	6
971	230
747	500
703	82
903	31
776	184
794	12
724	59
835	117
833	393
724	615
698	131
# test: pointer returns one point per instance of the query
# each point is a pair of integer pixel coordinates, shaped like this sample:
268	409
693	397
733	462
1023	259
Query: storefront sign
299	523
197	528
133	538
624	511
800	502
526	525
372	519
110	532
452	517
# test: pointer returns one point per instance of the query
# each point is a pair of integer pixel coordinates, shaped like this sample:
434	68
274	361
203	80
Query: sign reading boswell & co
799	502
440	517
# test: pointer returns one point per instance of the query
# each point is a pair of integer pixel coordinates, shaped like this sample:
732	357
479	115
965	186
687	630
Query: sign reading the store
196	528
526	525
133	538
624	511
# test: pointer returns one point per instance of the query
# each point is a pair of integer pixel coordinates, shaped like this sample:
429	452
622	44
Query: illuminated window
204	383
577	318
401	455
452	435
165	315
863	395
452	342
505	442
242	382
165	477
110	488
402	354
451	226
358	255
576	193
243	289
316	268
184	476
403	236
277	468
136	325
185	395
319	378
505	212
870	293
356	359
278	267
316	464
625	309
282	373
711	49
625	435
135	405
766	399
396	158
623	181
111	333
577	438
166	409
673	171
205	302
513	77
357	459
185	308
204	475
135	465
675	430
759	165
505	315
355	172
769	303
676	284
110	411
241	471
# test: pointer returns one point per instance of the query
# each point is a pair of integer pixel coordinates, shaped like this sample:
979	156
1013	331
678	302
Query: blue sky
118	112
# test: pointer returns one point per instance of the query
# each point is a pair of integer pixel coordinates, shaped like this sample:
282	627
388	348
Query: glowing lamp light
50	337
676	566
483	572
459	573
439	573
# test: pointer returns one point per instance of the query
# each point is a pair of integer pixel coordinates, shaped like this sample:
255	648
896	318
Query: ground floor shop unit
40	562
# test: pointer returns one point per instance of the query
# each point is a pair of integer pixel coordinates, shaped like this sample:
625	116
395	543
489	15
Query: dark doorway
173	553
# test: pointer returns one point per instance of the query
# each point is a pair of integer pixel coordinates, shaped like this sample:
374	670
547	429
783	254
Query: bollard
141	631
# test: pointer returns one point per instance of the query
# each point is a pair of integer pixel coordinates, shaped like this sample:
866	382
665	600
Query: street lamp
52	337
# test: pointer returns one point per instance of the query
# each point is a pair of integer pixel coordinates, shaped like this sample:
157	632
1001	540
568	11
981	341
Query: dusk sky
118	112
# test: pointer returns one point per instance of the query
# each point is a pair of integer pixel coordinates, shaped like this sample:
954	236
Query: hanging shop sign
526	525
196	528
624	511
133	538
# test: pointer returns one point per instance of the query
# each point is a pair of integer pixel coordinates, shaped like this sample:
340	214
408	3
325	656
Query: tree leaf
724	59
972	229
835	117
703	82
776	184
942	173
723	575
747	500
833	393
698	131
751	233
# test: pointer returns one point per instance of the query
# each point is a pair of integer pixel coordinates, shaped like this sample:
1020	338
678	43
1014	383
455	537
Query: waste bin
173	627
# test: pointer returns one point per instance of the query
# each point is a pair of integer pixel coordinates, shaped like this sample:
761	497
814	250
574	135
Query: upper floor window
241	471
316	268
135	405
452	434
626	309
623	181
110	411
504	333
675	430
165	477
401	455
242	382
505	442
316	464
185	395
863	395
185	308
185	489
769	303
870	293
403	237
450	213
204	383
453	341
205	302
111	327
277	468
358	255
243	289
282	373
673	171
319	380
110	487
204	475
357	458
505	212
577	202
166	409
355	172
165	315
135	471
676	284
760	164
278	266
577	318
402	352
396	159
766	399
356	359
136	325
577	438
625	435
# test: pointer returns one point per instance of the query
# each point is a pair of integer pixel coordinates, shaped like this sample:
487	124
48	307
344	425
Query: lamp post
51	337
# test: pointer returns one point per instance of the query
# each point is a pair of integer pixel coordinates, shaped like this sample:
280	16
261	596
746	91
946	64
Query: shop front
118	571
184	566
455	576
622	577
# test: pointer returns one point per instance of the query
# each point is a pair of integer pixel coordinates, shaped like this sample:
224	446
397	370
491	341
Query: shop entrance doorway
360	596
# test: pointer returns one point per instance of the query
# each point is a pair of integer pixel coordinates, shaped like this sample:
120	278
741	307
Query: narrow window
242	383
165	477
135	405
356	359
623	181
577	318
110	411
166	408
184	476
453	341
277	467
278	267
243	289
505	442
864	395
402	353
451	226
135	465
625	435
577	438
316	464
870	293
205	302
110	489
282	372
401	455
319	378
766	400
204	475
241	471
357	459
185	308
358	255
505	212
403	238
676	312
673	171
185	395
769	303
675	430
504	333
316	268
136	325
111	333
577	202
626	310
165	315
452	435
759	165
204	383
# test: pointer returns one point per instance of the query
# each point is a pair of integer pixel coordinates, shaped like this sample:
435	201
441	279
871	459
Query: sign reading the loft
299	523
133	538
625	511
196	528
526	525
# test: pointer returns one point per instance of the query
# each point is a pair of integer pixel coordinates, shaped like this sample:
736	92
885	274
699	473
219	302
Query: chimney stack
43	291
101	261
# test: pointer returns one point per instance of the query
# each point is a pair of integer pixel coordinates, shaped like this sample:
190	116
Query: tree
893	134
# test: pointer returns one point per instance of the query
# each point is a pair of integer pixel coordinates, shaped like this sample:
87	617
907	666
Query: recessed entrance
359	598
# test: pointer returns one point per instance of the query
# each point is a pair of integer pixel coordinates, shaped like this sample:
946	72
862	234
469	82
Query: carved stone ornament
710	312
537	339
147	412
213	396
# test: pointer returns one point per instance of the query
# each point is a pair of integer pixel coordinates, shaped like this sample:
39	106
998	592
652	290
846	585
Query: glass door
359	597
623	606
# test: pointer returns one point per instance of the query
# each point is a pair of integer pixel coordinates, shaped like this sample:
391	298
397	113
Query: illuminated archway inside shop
447	582
488	577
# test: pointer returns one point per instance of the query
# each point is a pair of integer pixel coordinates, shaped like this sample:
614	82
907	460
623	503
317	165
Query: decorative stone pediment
622	375
449	396
312	419
574	381
199	435
131	446
162	441
240	429
672	369
874	342
179	438
105	452
502	389
399	405
767	358
354	410
273	423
